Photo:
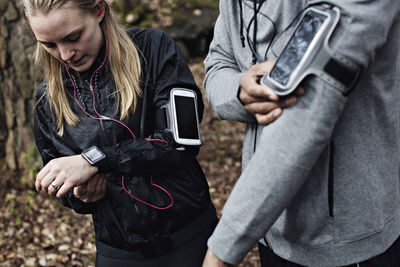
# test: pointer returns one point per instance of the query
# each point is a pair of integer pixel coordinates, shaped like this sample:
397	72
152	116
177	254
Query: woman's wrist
93	169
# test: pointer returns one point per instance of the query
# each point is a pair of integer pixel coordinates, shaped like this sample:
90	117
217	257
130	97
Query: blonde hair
123	58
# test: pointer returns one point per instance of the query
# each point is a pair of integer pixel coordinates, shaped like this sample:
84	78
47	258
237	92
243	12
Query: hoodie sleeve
291	145
221	82
362	30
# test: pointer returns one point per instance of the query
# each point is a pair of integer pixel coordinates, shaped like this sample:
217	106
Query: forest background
34	229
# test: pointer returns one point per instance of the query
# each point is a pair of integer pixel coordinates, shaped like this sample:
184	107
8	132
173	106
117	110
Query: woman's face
69	34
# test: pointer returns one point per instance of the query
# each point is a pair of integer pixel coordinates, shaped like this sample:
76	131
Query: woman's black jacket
121	221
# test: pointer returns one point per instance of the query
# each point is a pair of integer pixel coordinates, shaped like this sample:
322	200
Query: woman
95	129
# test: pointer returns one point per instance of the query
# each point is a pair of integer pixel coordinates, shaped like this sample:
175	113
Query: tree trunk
17	87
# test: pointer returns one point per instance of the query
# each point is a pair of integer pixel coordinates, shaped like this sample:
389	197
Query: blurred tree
189	22
16	88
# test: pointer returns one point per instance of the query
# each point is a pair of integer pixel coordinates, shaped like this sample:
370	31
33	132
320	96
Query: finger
46	181
64	189
90	189
265	107
39	177
300	91
249	84
245	98
288	102
252	97
261	107
102	187
263	92
264	119
97	191
255	92
264	67
80	192
54	186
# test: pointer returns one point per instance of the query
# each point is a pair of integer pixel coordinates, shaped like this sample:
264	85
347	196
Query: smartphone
183	117
300	52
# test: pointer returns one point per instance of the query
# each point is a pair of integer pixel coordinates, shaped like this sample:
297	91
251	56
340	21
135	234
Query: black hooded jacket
121	221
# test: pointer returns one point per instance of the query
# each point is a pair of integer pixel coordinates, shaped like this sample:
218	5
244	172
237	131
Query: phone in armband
183	117
308	52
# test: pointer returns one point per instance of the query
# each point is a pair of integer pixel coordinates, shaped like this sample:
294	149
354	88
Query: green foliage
31	159
24	180
3	164
18	221
14	211
33	163
8	199
32	193
29	201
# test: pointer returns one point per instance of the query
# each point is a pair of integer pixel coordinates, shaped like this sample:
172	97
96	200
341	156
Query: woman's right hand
62	174
261	100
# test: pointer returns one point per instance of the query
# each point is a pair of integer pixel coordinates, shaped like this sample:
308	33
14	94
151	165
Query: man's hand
62	174
261	100
211	260
93	190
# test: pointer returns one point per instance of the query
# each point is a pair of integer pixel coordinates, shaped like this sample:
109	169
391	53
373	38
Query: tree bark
17	87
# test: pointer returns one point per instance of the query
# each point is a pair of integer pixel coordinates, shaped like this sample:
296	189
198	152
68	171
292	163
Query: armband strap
340	72
161	118
343	73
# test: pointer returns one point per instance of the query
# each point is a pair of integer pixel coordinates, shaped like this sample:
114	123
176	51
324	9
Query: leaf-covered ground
36	231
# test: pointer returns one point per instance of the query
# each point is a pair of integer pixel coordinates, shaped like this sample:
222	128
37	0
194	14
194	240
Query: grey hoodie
322	182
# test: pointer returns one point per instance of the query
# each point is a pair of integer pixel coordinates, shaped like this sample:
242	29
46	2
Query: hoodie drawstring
255	31
241	24
252	46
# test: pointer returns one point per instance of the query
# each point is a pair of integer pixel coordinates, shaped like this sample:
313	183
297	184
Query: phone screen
186	117
297	47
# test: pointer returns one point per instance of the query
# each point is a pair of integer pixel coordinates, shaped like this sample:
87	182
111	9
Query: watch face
93	155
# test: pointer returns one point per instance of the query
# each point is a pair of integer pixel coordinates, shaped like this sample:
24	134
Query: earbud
100	7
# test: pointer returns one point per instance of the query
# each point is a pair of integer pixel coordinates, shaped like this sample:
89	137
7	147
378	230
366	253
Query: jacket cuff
227	104
227	245
109	163
235	101
80	207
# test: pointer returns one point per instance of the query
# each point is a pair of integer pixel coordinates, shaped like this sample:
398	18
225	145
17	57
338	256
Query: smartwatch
93	155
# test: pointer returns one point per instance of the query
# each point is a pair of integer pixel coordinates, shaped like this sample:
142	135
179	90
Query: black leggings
190	246
190	254
390	258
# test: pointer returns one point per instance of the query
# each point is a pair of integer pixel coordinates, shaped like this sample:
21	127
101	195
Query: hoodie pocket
331	177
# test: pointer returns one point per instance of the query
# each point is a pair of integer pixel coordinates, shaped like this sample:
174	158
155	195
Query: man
320	185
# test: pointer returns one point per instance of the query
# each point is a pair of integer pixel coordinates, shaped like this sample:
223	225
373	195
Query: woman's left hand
62	174
211	260
93	190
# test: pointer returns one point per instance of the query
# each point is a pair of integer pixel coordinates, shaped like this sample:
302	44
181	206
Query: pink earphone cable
101	117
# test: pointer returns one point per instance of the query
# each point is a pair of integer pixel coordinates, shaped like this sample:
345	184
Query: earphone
100	7
101	117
